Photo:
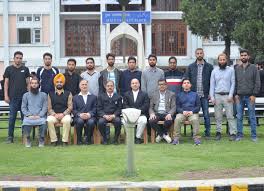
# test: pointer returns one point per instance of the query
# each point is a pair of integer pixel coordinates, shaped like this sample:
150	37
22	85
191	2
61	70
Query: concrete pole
6	33
148	40
130	131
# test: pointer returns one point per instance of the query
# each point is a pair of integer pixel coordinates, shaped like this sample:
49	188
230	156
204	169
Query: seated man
162	108
138	99
59	110
34	107
109	110
187	108
84	110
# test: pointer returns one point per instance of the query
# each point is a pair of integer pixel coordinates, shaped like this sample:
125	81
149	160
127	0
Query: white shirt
84	96
135	94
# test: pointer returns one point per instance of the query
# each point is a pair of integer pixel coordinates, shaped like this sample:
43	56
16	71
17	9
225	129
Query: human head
199	53
186	84
152	60
222	61
90	63
172	63
110	86
132	63
83	85
134	84
162	85
71	64
110	58
34	85
47	58
244	56
59	81
18	57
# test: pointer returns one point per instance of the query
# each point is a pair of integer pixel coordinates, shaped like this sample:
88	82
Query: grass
153	161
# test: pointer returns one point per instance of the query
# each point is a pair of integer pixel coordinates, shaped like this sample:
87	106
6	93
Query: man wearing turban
59	110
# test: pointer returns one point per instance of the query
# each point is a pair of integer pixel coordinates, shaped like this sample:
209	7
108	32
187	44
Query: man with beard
34	107
199	74
59	110
16	84
151	76
72	78
92	76
246	88
84	111
222	86
46	74
110	73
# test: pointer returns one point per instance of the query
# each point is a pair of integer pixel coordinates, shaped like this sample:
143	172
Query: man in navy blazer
109	110
84	111
138	99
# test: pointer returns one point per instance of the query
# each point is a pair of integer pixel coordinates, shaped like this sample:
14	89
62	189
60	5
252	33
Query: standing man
16	83
46	74
135	98
222	86
173	76
84	111
109	110
247	87
72	79
162	108
199	74
110	73
151	76
131	73
92	76
34	107
187	108
59	110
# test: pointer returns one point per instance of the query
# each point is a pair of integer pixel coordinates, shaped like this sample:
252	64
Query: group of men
97	98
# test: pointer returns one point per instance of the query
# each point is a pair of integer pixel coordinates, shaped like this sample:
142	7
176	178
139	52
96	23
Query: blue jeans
14	107
205	105
42	130
244	101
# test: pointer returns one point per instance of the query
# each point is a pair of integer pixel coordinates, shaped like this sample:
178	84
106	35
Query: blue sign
132	17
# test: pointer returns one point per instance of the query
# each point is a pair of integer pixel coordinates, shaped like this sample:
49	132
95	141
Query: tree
249	33
213	17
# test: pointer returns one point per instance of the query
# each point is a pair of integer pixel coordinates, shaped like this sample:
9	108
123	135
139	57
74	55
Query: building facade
38	26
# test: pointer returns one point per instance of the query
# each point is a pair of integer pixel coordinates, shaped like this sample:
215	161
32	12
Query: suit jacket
104	77
80	107
142	101
108	106
170	105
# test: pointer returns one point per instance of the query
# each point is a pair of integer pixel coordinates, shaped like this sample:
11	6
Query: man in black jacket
138	99
199	74
109	110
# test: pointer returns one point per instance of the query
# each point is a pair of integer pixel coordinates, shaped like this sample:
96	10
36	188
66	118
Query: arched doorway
130	47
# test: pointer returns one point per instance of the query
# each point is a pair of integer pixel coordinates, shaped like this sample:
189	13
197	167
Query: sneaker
54	143
238	138
254	139
218	136
167	138
232	137
138	141
175	141
9	140
197	141
28	143
158	139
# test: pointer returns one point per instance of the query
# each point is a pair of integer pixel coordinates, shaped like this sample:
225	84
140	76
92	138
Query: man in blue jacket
199	74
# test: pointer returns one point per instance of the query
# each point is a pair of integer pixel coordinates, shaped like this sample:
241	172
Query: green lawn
153	161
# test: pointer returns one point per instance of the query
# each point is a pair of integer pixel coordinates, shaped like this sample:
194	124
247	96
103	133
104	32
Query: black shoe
232	137
207	137
54	143
218	136
138	141
9	140
79	143
64	144
115	142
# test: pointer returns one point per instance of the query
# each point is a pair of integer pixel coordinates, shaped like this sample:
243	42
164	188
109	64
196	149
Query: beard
244	61
59	87
222	66
34	90
90	68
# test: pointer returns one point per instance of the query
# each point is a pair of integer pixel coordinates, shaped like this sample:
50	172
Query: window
36	36
20	19
29	18
24	36
165	5
36	18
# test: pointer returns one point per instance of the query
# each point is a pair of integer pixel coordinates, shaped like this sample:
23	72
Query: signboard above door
82	2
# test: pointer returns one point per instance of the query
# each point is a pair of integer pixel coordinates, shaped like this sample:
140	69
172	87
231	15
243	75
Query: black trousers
160	129
88	131
102	127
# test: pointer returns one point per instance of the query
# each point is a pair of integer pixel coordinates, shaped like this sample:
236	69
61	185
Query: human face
222	61
162	86
47	60
135	84
109	87
199	54
59	84
83	86
71	66
90	65
186	85
152	61
18	59
132	64
34	84
110	61
244	57
172	64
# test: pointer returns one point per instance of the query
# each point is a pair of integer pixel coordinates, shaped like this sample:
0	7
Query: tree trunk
227	47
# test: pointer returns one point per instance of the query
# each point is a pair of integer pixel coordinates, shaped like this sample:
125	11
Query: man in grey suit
162	108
